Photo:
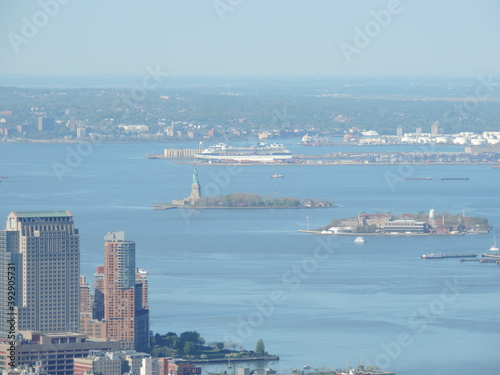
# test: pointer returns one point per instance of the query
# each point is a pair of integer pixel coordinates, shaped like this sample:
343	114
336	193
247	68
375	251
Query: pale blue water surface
210	270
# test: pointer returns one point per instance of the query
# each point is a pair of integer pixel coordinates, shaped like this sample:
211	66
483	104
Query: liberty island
238	200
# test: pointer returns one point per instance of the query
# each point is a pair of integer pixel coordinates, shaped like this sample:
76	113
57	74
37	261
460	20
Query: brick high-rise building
44	252
85	306
127	318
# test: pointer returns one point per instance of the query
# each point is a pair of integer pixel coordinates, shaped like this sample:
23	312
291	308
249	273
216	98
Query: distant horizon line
125	81
239	76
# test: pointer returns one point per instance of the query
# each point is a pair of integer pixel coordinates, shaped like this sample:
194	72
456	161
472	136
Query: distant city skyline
251	38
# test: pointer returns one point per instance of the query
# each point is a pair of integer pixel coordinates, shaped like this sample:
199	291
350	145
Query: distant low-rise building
93	328
81	132
99	362
183	368
385	222
37	369
405	226
46	123
133	360
134	128
55	352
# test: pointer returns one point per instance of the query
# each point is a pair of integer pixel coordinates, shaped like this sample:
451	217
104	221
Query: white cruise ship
260	153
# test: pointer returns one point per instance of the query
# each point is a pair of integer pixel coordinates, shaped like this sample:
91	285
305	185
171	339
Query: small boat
360	240
277	176
306	367
3	176
494	247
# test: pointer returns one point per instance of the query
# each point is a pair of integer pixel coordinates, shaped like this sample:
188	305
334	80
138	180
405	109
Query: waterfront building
125	311
54	352
182	368
418	132
119	288
45	252
81	132
180	152
399	132
46	123
141	277
71	124
435	128
406	226
385	222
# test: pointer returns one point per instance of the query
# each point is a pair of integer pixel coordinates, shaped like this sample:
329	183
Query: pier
233	359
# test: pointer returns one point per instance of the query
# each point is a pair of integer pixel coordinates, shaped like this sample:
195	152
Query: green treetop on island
254	200
260	348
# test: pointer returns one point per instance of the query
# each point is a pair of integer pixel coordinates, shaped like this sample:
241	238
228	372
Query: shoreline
169	206
175	161
381	234
233	359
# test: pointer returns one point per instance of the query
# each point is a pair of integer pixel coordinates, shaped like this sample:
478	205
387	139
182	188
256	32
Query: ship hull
260	153
443	256
235	157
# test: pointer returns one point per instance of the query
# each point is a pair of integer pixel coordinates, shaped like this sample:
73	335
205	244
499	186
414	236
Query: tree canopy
260	348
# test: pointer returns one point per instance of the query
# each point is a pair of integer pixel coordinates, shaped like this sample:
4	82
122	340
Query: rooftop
42	213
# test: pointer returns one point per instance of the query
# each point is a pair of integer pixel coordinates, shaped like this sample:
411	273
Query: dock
482	260
233	359
489	260
444	256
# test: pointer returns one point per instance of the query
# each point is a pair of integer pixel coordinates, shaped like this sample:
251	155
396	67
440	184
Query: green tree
260	348
188	347
218	346
191	336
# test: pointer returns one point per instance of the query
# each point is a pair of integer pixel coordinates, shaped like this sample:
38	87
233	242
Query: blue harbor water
249	274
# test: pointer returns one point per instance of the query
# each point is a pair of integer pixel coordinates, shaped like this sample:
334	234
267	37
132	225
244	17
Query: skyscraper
141	310
98	305
399	131
127	319
85	308
435	128
8	275
44	248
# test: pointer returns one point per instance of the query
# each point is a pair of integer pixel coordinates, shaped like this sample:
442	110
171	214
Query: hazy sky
251	37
